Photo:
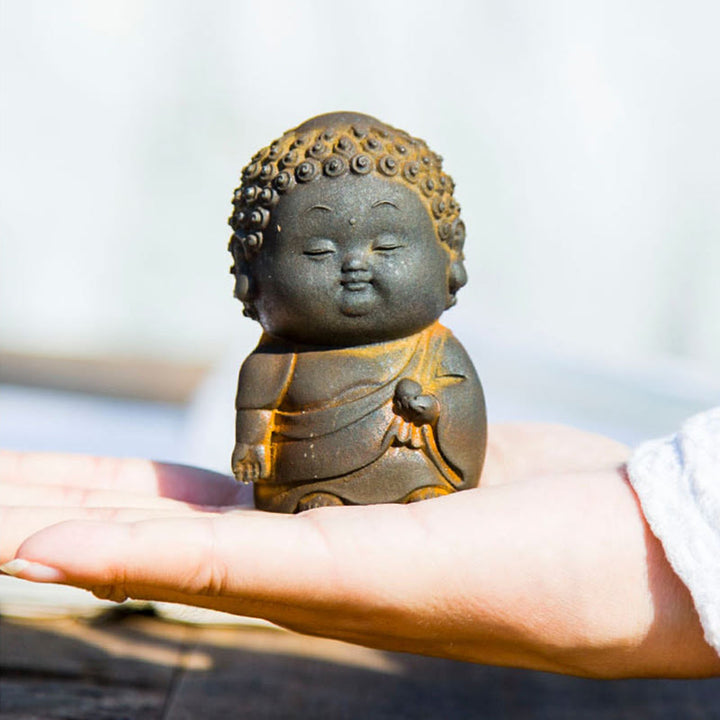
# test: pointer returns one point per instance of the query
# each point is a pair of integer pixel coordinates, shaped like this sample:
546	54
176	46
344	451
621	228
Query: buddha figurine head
346	232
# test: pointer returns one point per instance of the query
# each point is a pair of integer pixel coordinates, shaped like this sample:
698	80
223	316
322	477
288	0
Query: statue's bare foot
425	493
316	500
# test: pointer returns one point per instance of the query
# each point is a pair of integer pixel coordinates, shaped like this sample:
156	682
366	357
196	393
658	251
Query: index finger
145	477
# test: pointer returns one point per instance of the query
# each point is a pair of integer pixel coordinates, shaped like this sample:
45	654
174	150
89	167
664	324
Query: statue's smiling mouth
356	281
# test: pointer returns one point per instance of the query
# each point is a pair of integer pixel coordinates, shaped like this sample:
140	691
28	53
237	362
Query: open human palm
548	565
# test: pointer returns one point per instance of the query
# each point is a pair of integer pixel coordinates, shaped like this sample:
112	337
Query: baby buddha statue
348	246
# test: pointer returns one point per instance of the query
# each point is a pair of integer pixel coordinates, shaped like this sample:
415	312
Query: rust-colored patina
347	248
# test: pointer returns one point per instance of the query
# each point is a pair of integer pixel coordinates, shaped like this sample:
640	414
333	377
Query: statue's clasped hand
412	405
250	463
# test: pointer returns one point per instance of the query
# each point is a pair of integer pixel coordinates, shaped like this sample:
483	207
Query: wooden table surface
131	665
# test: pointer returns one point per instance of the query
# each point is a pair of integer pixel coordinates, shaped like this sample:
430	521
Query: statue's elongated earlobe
242	286
241	249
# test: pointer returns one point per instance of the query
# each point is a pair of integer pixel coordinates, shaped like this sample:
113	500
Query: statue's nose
354	261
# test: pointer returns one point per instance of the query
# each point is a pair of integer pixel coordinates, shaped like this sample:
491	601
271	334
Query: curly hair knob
438	206
361	164
251	171
283	181
252	243
267	171
259	217
411	171
290	159
335	166
268	197
250	193
445	231
388	165
317	150
306	171
345	146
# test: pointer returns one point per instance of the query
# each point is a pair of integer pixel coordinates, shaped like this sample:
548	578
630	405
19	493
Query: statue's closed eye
318	248
387	242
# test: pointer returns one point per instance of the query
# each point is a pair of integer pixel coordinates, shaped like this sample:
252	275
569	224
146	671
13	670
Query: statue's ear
457	277
240	270
242	285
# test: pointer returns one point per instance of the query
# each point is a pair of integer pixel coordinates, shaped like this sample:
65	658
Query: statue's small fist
411	405
250	462
406	389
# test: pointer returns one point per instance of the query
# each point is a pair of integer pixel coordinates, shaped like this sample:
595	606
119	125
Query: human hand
549	565
250	462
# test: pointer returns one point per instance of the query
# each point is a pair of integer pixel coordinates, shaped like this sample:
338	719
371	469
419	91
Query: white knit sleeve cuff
678	482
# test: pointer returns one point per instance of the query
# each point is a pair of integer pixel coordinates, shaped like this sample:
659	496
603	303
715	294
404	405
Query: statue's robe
331	426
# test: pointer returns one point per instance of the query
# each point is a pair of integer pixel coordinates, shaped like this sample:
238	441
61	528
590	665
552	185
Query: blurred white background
583	138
